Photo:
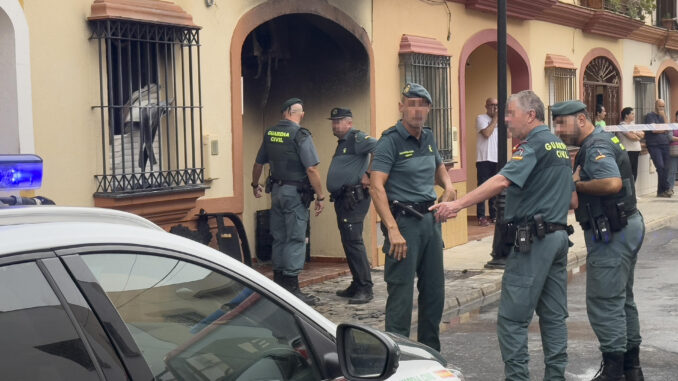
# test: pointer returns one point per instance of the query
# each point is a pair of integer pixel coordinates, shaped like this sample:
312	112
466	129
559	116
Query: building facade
158	107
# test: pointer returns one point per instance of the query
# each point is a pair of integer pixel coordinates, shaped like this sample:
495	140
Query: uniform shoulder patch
518	151
304	131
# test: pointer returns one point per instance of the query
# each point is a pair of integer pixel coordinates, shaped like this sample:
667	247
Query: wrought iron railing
432	72
150	106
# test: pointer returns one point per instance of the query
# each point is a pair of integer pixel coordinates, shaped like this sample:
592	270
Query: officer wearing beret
289	150
539	193
348	184
405	168
614	231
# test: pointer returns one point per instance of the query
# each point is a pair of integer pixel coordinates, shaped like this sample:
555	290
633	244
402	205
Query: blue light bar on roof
20	172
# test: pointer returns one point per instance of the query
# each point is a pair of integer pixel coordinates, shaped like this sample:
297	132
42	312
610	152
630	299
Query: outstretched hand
445	210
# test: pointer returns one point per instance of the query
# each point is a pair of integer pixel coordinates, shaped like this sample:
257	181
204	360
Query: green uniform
541	183
610	265
411	165
289	150
349	163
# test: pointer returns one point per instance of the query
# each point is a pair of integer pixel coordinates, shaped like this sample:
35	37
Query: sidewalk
468	284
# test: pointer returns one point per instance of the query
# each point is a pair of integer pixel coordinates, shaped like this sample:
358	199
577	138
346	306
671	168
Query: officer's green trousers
425	260
535	281
609	286
289	219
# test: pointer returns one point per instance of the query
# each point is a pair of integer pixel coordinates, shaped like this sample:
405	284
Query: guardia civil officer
405	168
289	150
539	193
348	184
614	231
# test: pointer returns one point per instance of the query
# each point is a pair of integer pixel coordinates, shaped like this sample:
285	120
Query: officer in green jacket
539	193
614	232
405	168
289	150
348	184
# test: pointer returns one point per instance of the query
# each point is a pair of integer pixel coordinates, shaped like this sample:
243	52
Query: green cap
340	113
415	90
567	108
288	103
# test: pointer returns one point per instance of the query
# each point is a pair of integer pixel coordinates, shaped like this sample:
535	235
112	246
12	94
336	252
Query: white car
97	294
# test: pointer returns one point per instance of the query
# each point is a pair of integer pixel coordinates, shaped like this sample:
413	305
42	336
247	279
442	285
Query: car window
192	323
38	340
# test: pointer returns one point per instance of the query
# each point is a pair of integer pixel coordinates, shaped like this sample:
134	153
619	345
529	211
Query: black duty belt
288	182
587	225
357	192
414	209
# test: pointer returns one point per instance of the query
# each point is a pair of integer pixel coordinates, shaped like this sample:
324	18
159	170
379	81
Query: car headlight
456	372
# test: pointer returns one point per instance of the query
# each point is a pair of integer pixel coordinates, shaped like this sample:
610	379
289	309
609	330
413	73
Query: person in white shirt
631	139
486	155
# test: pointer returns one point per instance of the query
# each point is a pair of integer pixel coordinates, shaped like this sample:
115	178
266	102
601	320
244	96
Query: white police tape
642	127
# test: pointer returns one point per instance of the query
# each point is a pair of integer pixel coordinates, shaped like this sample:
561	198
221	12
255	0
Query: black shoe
496	263
611	368
291	284
632	369
349	292
362	296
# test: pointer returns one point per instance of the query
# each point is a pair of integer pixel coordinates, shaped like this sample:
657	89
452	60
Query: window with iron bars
432	72
562	87
150	106
645	97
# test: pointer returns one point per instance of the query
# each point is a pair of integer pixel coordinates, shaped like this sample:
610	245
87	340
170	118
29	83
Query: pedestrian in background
657	142
631	139
614	231
348	183
486	155
601	113
539	193
289	150
405	168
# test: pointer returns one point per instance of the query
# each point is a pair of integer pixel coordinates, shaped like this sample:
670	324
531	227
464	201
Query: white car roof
50	227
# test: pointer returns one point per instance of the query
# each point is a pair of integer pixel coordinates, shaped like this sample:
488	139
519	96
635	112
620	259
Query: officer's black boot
278	277
349	291
291	284
632	369
612	368
362	296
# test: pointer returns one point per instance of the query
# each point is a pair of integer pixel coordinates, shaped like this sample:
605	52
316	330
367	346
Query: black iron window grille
562	87
150	105
645	97
432	72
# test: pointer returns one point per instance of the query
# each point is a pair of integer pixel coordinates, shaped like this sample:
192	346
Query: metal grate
150	105
645	97
562	87
432	72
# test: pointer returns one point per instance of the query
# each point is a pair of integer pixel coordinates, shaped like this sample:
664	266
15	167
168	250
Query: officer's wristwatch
320	198
254	185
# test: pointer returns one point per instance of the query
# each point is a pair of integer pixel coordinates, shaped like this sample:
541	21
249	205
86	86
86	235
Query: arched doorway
318	54
477	82
16	114
667	86
601	84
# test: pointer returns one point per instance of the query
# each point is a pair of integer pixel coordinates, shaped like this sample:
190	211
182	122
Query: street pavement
468	285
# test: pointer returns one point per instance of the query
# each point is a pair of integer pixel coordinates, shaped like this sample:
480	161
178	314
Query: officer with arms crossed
539	193
348	184
289	150
405	167
614	232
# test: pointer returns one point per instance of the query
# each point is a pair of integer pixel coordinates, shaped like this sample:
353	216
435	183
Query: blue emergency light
20	172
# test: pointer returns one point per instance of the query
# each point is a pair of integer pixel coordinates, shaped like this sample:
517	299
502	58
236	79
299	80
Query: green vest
627	194
281	144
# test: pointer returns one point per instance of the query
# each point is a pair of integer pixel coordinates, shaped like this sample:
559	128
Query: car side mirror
366	353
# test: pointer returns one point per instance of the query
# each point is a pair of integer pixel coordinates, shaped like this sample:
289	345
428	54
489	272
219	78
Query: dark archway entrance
602	86
313	58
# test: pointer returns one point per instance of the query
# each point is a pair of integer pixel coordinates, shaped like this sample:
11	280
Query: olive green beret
415	90
567	108
288	103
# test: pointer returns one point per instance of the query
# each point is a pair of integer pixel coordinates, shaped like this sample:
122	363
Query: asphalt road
472	344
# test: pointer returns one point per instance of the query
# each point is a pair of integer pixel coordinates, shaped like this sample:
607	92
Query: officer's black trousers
350	222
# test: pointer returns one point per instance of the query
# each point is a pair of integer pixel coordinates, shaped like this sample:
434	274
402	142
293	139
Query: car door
47	329
192	320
